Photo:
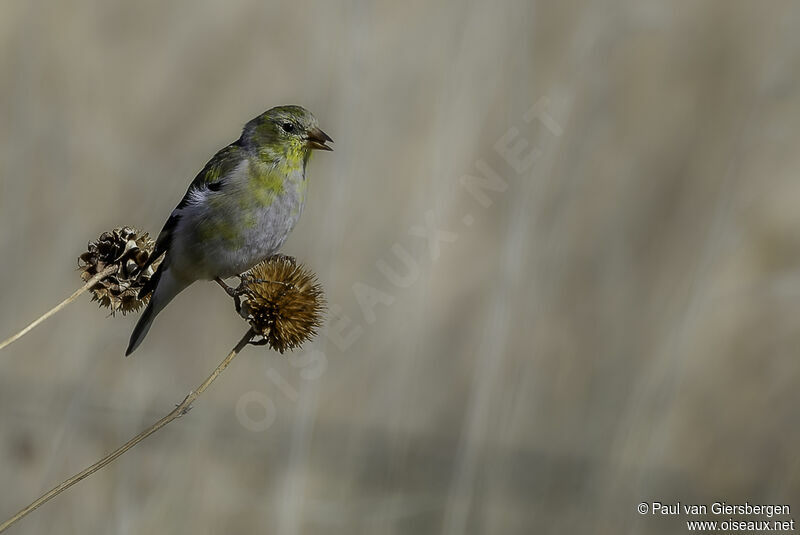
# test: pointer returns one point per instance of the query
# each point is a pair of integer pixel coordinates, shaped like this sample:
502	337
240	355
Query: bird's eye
288	127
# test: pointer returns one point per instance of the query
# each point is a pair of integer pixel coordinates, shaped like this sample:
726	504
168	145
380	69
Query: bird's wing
217	169
211	178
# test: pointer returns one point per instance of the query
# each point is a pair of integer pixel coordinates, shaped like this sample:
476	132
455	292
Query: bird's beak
317	139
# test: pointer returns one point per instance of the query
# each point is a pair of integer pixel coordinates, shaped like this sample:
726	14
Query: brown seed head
128	249
282	302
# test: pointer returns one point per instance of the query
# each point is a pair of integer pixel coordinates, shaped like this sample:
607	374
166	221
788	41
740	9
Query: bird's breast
267	218
239	226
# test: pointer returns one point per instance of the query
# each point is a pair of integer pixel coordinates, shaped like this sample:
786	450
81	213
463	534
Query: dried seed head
282	302
128	249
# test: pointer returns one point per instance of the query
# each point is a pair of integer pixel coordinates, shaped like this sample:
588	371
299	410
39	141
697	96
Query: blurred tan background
620	324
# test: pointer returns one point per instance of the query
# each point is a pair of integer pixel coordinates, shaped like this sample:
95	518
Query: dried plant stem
110	270
178	411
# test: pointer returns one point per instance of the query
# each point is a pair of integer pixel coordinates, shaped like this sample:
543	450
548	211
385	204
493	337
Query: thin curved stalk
110	270
178	411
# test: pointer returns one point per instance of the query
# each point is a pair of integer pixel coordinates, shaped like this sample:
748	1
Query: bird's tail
168	286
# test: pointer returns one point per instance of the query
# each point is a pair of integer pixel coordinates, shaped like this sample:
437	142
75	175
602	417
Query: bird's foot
229	289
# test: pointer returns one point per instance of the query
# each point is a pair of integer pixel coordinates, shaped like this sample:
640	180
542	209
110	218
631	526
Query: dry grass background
620	325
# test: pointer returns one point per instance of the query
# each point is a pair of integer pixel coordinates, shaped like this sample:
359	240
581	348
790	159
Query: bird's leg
228	289
233	292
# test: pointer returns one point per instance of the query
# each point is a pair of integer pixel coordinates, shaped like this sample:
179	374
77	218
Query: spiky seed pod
283	302
128	249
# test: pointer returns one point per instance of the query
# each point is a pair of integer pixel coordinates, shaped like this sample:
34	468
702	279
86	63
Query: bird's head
285	132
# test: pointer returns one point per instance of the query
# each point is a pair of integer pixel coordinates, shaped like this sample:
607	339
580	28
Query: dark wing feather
211	177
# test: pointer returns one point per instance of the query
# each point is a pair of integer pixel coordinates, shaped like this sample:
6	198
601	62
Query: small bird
239	209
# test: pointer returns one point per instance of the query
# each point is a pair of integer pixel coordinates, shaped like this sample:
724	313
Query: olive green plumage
238	210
